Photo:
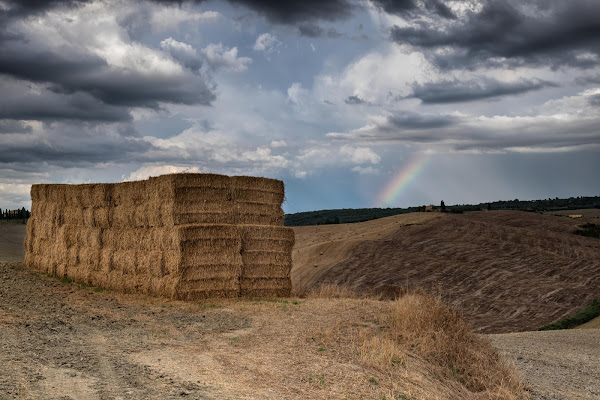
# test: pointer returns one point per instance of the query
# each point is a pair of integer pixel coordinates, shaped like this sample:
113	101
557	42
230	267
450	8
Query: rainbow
401	180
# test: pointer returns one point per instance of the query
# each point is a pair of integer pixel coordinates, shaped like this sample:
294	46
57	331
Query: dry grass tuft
425	326
331	291
398	337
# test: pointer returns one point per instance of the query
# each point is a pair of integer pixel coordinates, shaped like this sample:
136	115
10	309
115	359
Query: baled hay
140	238
203	194
195	258
265	287
200	180
217	231
266	271
203	218
55	193
197	207
256	183
232	283
131	193
38	193
211	271
267	238
257	196
125	261
195	295
267	257
267	232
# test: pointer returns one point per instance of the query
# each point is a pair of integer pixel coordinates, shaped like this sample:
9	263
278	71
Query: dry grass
418	330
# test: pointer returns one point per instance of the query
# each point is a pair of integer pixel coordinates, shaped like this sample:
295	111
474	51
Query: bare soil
64	341
555	364
506	271
12	237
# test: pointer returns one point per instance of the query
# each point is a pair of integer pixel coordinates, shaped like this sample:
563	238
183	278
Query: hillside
506	271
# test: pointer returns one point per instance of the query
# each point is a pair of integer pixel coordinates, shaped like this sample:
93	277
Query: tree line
14	214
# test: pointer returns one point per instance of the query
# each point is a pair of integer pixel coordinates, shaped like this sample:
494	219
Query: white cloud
377	77
182	52
166	18
300	174
156	170
266	42
218	57
297	94
278	144
360	155
366	170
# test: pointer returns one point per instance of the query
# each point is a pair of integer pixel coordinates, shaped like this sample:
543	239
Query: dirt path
12	237
562	364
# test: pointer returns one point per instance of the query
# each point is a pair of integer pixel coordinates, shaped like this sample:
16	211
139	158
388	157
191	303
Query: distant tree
443	206
489	206
23	213
1	214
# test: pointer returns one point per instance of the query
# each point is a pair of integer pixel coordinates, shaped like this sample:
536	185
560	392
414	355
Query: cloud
354	100
510	33
156	170
366	170
360	155
291	12
566	124
182	52
26	101
312	30
411	8
276	144
88	57
218	57
456	91
12	126
70	144
266	42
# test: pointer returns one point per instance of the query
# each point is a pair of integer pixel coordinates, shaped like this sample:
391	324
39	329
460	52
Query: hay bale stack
184	236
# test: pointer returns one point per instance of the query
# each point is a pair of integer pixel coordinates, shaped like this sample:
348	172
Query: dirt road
561	364
12	237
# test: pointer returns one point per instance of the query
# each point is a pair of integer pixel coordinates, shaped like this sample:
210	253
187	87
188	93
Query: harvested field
506	271
64	341
183	236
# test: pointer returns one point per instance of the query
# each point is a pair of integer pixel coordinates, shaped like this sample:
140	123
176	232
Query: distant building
429	208
574	216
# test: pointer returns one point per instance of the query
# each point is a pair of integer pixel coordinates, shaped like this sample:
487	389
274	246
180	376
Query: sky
352	103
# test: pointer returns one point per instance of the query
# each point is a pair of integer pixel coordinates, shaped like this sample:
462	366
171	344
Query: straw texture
184	236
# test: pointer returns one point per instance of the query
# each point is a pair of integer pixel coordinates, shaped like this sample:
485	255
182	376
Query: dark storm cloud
49	106
70	145
476	89
80	85
313	30
514	33
354	100
409	120
595	100
27	7
70	72
410	8
462	133
12	126
289	12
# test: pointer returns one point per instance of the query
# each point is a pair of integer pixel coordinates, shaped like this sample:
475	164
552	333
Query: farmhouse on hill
182	236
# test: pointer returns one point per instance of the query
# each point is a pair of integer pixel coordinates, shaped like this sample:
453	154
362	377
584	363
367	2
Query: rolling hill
506	271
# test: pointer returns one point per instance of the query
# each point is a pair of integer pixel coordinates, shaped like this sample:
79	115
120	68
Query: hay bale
186	236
